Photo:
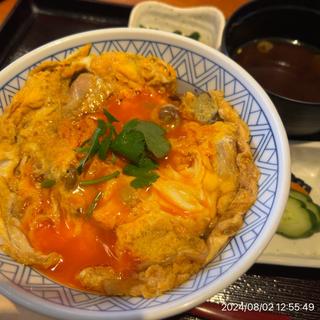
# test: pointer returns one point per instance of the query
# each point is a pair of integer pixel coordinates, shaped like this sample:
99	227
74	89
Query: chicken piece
105	279
227	171
15	243
80	87
129	73
87	92
231	213
153	281
9	159
159	237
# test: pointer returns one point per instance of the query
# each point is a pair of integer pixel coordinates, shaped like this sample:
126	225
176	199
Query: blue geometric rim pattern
202	74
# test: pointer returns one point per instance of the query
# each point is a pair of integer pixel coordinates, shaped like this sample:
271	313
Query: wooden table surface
6	7
262	283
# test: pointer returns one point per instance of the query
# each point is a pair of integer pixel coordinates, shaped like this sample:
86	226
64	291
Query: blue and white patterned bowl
202	68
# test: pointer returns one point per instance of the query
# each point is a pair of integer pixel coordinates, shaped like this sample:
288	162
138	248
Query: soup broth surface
284	67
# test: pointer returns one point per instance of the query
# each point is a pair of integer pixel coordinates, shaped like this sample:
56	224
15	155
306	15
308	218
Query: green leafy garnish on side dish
194	35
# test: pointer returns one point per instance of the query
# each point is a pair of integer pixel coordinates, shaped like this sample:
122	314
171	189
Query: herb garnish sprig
93	204
140	142
93	146
102	179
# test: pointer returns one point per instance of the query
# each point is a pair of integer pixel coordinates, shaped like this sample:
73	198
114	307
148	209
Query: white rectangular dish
305	157
207	21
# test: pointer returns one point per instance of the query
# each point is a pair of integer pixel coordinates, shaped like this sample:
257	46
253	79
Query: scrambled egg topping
136	241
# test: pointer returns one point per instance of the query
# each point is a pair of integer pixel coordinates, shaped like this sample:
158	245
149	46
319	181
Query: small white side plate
300	252
207	20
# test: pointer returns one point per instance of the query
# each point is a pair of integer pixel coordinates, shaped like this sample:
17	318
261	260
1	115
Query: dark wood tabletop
292	291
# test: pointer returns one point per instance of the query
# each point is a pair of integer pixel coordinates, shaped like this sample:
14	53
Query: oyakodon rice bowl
115	183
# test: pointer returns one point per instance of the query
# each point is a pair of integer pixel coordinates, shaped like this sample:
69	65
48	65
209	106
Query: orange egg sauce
92	247
94	244
140	106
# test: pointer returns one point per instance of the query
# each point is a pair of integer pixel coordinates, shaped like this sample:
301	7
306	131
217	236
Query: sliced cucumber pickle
297	221
299	196
309	205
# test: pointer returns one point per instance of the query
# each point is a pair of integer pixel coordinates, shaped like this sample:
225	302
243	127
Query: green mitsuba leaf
93	148
104	147
144	181
130	144
156	142
143	176
137	140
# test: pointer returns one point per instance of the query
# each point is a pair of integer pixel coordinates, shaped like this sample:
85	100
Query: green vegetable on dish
193	35
301	217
